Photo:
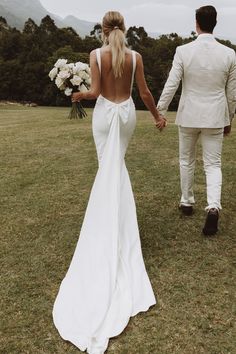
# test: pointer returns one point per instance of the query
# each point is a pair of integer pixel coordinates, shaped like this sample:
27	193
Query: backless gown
106	282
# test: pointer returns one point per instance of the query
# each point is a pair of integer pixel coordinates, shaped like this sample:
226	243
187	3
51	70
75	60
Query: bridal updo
113	28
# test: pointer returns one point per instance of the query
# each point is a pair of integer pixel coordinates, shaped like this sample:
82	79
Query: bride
107	282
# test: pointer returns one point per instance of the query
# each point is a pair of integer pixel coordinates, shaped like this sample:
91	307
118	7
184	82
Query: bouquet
72	77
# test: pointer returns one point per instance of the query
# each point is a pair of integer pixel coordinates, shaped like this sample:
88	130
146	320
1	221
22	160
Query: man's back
206	68
208	73
207	105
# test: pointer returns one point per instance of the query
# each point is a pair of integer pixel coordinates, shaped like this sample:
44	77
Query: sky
162	16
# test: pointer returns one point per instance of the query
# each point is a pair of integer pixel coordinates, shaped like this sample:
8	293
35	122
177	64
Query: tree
68	53
27	57
193	35
48	25
3	25
30	27
97	32
3	20
135	36
11	44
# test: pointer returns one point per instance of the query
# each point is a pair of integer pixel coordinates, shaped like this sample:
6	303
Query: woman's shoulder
93	52
130	51
137	53
138	56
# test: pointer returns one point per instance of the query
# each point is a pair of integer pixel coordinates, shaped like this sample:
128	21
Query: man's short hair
206	18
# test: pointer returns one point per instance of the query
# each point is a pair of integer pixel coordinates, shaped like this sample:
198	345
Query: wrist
157	115
82	95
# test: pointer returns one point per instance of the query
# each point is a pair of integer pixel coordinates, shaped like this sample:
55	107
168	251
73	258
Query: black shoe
211	224
186	210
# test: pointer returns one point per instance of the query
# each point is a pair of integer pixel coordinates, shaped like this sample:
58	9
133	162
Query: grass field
48	164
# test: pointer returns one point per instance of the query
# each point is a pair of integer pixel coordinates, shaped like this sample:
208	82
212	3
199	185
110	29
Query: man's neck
202	32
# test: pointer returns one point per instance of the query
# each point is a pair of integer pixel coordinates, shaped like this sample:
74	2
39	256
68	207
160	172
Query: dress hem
83	348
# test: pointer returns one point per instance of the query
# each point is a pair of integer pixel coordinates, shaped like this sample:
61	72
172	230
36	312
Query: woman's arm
95	88
146	95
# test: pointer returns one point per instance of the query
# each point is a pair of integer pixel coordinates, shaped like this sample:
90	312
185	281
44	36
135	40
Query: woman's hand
161	122
76	96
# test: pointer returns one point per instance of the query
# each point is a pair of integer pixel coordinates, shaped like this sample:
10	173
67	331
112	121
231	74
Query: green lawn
48	164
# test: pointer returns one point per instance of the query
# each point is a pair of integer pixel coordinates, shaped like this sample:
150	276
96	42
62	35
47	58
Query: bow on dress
120	110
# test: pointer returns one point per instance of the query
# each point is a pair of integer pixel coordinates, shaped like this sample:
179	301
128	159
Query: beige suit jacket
208	73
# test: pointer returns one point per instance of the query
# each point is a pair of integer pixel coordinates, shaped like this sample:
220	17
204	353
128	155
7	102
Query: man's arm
171	84
230	89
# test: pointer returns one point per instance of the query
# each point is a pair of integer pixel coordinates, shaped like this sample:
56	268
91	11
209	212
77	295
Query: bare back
115	89
118	90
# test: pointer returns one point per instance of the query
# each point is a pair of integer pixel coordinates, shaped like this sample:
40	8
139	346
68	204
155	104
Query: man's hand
161	122
227	130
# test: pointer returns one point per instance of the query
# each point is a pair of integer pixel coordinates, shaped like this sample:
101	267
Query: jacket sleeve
172	83
231	88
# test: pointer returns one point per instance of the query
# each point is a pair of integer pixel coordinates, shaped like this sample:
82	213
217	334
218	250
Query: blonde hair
114	34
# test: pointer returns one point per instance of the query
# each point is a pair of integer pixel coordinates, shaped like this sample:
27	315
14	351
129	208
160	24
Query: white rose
59	82
68	91
84	66
76	80
66	67
64	74
83	88
88	70
81	66
53	73
74	69
88	81
60	63
77	67
83	75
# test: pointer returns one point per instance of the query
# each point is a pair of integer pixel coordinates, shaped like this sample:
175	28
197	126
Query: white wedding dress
106	282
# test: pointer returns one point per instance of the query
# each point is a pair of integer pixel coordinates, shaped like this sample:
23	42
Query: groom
206	109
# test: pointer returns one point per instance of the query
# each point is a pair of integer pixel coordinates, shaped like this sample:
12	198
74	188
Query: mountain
16	12
80	26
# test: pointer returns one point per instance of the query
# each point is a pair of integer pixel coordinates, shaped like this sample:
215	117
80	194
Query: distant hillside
16	12
80	26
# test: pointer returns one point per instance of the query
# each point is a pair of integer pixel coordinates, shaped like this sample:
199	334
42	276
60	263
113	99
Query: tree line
27	56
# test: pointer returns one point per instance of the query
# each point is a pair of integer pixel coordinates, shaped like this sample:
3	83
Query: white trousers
211	140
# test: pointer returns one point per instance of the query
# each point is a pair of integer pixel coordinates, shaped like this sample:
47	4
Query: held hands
160	122
76	96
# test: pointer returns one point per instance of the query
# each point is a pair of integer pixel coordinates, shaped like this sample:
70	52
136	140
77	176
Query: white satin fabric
106	282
